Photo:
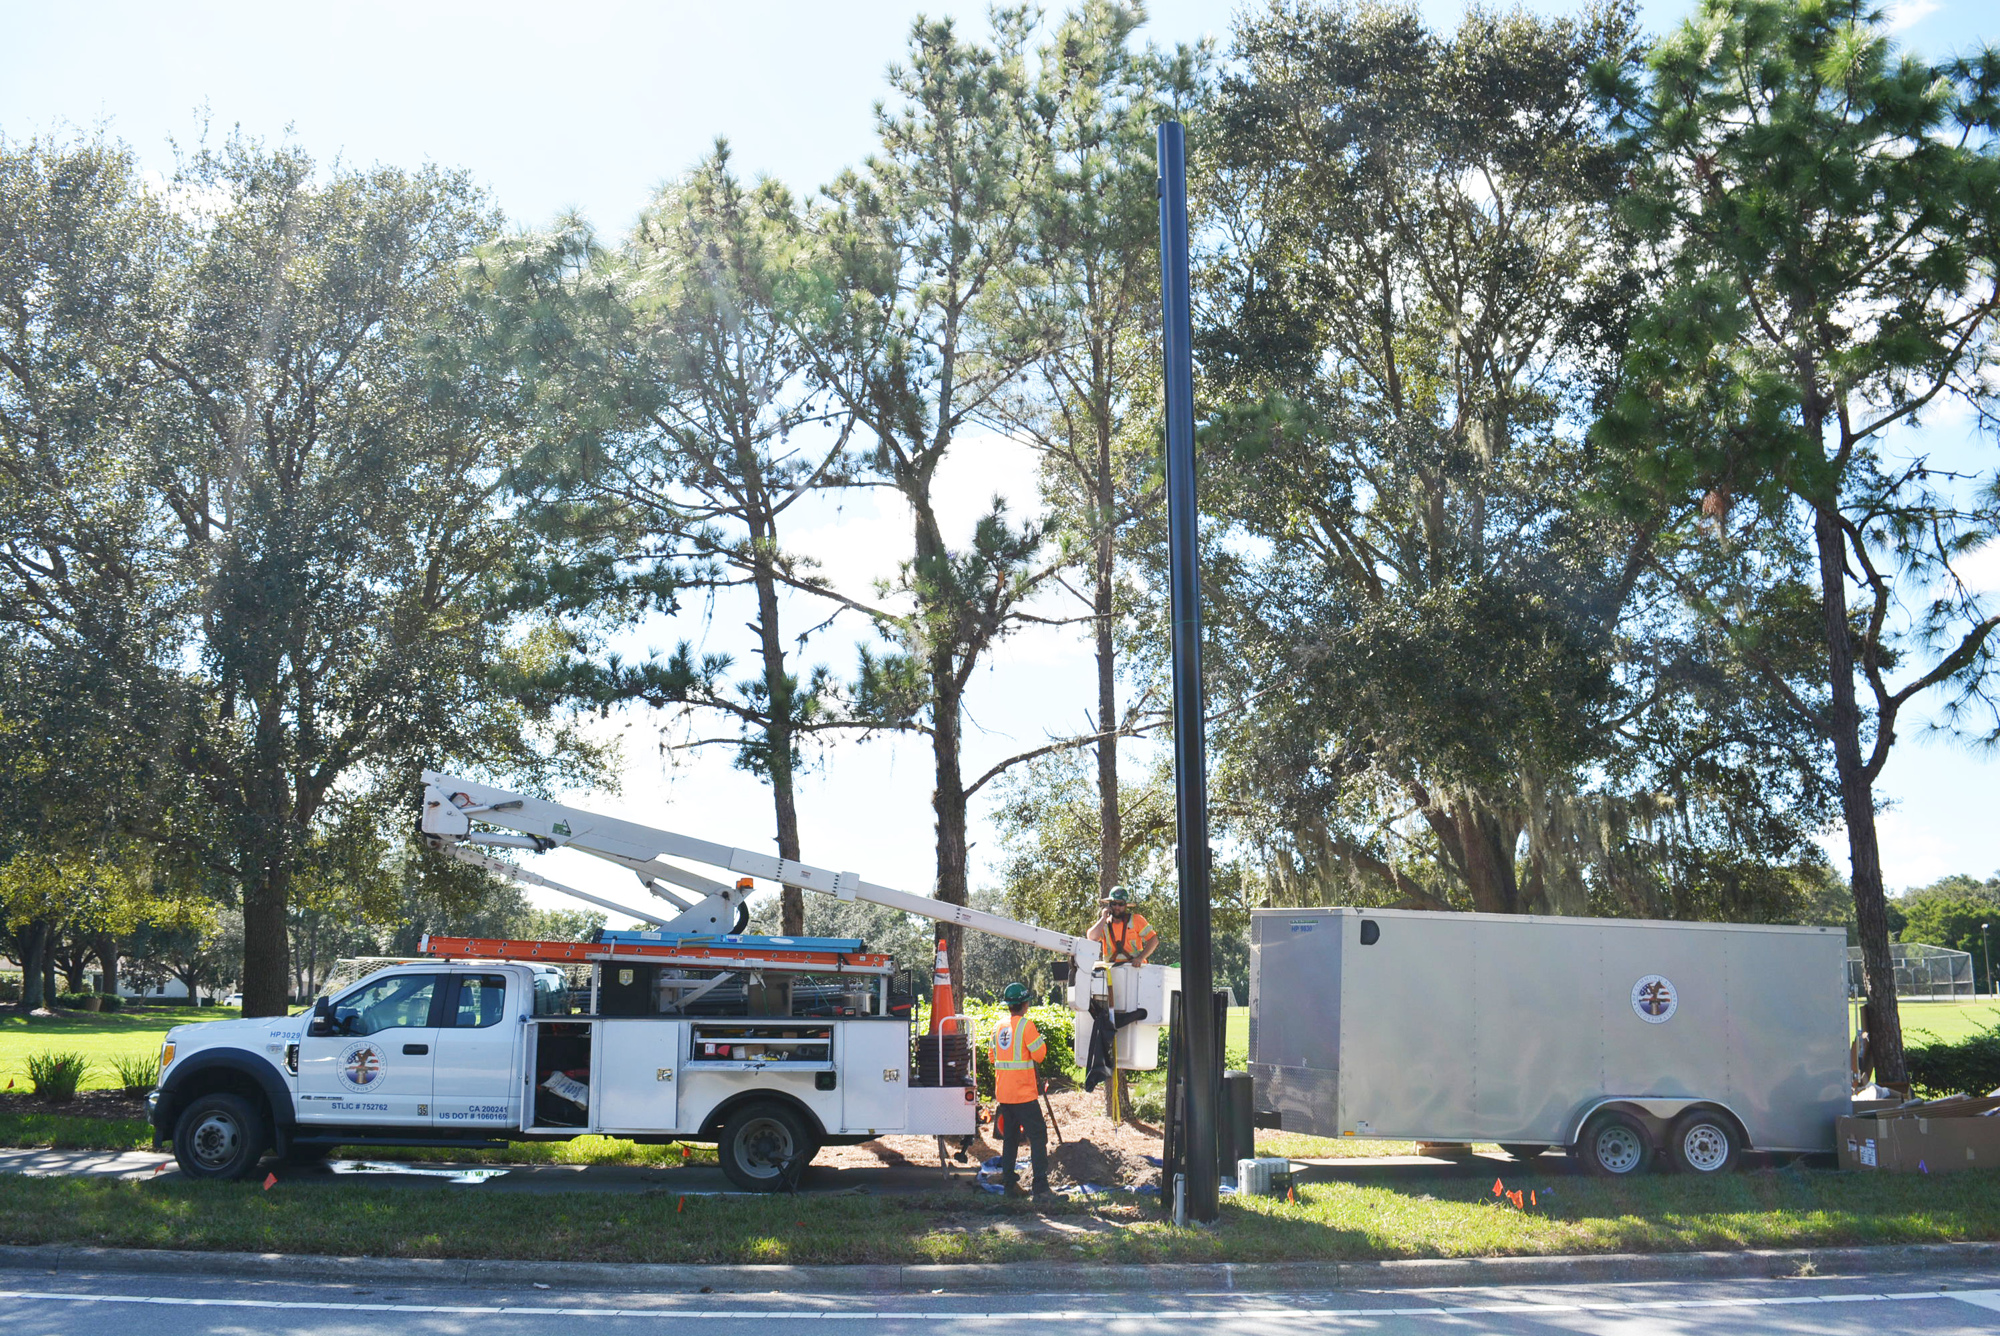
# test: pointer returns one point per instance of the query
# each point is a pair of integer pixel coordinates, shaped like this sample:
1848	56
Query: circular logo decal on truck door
1655	999
360	1067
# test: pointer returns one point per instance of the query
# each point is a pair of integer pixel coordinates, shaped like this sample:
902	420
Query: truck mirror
322	1018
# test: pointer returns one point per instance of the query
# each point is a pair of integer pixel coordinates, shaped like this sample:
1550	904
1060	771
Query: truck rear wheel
220	1136
1615	1145
1704	1142
765	1147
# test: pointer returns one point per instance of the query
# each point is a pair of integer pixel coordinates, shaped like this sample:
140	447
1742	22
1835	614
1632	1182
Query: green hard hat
1117	896
1015	992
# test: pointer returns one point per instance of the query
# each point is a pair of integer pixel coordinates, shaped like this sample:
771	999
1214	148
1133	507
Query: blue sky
590	106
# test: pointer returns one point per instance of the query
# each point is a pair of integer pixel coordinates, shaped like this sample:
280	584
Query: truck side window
1371	932
481	999
398	1001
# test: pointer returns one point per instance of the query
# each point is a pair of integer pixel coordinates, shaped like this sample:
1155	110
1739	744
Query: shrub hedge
1971	1065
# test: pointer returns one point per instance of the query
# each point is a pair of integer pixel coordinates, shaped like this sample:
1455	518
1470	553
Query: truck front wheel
220	1136
764	1147
1704	1142
1615	1145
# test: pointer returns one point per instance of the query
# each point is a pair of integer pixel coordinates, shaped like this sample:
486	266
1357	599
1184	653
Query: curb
1169	1278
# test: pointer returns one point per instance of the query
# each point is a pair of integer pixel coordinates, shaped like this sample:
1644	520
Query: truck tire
1704	1143
1615	1145
220	1136
764	1147
1525	1154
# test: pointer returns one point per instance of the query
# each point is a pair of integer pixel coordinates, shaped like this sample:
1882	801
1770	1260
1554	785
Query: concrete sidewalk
1982	1259
693	1179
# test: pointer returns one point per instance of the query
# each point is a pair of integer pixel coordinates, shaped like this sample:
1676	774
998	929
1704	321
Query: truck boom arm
452	805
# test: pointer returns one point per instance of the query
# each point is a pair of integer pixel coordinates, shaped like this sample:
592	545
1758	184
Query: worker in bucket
1017	1047
1124	934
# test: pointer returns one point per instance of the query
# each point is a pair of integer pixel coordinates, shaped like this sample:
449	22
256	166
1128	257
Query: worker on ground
1126	937
1017	1047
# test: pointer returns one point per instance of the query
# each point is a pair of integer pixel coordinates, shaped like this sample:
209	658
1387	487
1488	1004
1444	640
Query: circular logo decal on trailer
1655	999
360	1067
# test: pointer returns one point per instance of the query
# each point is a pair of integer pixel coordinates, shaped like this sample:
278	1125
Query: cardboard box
1917	1145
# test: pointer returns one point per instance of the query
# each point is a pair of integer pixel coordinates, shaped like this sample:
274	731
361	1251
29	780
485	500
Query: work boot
1043	1192
1012	1186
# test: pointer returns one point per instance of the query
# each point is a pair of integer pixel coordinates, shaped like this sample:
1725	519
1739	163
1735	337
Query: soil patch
1090	1149
106	1104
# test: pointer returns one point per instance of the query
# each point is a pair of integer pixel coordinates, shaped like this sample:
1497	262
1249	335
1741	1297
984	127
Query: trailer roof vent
1371	932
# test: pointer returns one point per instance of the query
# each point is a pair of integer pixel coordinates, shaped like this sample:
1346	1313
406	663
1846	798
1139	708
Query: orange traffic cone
943	1003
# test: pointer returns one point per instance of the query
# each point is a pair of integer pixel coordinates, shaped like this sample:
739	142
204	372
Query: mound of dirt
1084	1146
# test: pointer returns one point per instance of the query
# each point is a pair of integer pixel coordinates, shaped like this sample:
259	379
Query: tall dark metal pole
1204	1045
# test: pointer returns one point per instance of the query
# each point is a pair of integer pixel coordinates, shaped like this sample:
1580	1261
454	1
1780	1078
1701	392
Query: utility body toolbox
1624	1038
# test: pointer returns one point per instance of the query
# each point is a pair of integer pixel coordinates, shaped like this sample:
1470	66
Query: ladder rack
706	953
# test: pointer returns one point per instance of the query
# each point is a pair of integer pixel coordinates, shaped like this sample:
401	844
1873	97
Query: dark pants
1019	1119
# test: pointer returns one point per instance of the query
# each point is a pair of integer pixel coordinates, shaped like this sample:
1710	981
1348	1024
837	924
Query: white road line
1981	1298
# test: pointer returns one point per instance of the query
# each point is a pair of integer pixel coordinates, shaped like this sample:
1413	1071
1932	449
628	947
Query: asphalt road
1935	1304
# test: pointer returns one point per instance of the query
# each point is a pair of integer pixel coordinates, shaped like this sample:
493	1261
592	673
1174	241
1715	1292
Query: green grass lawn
100	1037
1784	1208
1932	1022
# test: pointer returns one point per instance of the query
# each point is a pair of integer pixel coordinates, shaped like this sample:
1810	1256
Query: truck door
477	1044
375	1068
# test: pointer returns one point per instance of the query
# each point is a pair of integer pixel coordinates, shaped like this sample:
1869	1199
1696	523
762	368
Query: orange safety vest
1017	1047
1124	944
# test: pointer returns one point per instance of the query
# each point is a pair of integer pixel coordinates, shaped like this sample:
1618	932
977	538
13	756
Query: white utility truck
770	1047
1615	1039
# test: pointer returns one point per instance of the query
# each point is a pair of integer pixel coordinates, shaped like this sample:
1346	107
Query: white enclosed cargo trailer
1619	1039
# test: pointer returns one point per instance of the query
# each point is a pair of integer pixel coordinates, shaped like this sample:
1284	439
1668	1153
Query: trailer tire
1615	1145
765	1147
220	1136
1525	1154
1704	1143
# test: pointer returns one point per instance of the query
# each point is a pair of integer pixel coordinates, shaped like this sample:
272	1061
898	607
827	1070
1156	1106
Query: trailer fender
711	1126
1656	1112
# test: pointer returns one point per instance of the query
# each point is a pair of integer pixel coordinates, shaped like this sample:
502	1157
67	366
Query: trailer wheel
220	1136
764	1147
1523	1153
1615	1145
1704	1142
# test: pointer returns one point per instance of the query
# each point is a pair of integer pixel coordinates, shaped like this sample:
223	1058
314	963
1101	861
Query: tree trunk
948	802
106	948
778	737
1489	858
1857	804
34	961
266	945
49	969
